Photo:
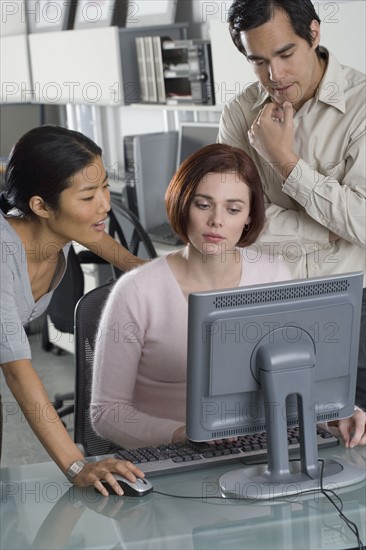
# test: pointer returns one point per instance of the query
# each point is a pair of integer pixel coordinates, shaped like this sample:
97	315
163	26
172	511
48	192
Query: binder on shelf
150	70
130	74
142	69
159	68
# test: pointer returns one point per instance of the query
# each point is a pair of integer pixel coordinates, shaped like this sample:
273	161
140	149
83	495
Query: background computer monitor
252	351
150	164
193	135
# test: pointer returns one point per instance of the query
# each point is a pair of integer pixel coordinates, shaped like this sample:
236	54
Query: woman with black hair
56	191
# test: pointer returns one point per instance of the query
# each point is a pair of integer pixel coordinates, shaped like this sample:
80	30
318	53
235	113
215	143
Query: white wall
342	25
342	31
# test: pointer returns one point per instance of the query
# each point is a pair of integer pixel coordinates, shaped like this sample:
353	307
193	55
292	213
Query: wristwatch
75	468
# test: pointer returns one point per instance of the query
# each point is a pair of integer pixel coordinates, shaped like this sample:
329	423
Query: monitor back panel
193	136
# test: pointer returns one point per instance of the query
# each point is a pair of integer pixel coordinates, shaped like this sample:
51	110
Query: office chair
61	312
62	305
87	314
126	228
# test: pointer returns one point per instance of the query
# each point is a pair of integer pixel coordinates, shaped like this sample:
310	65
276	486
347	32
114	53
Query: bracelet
356	408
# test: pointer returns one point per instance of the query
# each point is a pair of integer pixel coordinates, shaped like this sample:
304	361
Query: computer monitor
150	165
268	356
193	136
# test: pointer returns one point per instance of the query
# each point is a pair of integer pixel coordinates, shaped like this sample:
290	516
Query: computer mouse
139	488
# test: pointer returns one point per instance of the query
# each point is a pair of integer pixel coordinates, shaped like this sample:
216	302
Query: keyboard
179	457
164	234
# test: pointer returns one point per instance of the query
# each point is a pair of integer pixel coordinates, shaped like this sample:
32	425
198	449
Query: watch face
75	468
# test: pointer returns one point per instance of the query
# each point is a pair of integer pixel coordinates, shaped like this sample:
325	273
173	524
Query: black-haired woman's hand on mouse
94	473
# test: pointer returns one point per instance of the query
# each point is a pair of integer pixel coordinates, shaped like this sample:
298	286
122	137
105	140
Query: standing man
303	123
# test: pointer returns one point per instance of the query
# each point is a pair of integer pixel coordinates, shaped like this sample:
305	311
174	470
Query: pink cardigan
139	382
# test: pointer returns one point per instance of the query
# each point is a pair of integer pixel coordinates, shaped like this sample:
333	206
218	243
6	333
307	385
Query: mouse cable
326	492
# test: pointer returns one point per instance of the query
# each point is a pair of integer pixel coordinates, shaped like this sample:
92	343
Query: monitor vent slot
237	431
327	416
280	294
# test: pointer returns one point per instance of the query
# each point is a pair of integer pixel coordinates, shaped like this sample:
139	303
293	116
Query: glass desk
40	509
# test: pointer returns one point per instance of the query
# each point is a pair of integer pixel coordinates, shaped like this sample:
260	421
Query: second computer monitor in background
150	161
193	136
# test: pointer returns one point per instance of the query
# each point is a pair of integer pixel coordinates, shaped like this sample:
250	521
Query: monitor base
254	482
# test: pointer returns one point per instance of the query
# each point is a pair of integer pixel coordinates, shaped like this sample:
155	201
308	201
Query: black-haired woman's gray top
17	305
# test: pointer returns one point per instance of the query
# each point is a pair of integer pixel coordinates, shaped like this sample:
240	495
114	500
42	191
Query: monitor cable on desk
328	493
350	524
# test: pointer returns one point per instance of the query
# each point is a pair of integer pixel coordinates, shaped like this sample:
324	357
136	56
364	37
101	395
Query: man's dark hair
245	15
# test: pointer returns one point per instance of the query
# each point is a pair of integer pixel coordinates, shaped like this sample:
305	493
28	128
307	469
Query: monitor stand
286	369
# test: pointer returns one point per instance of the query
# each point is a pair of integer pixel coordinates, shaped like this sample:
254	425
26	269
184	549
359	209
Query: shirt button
293	194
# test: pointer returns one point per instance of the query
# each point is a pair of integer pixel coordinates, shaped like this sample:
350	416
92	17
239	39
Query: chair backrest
87	315
67	294
125	226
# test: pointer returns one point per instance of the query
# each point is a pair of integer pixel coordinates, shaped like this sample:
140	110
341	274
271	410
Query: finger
288	113
257	118
344	429
109	478
263	115
135	470
358	433
100	488
127	469
122	467
277	113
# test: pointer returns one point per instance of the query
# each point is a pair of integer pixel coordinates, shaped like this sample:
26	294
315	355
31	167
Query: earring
247	227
